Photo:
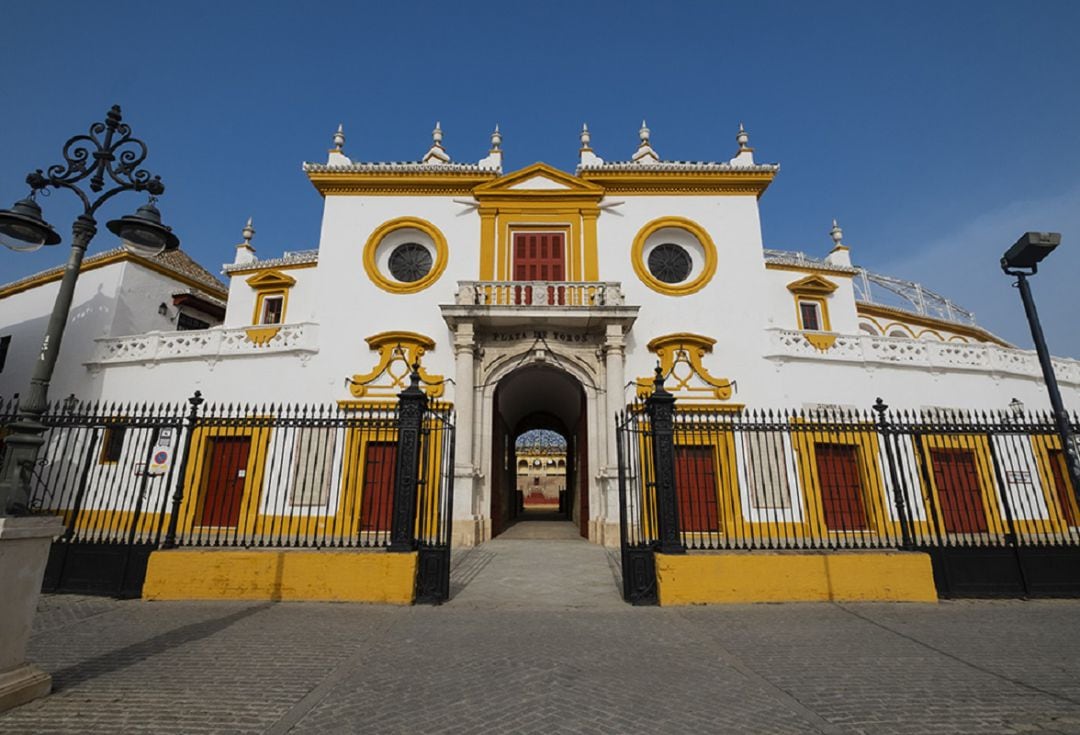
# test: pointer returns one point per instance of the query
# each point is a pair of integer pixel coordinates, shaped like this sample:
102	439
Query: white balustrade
557	294
929	354
212	344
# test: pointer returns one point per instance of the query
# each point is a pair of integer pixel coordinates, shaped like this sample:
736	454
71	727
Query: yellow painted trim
387	284
332	576
194	495
1043	444
362	183
821	270
502	187
820	341
676	183
590	244
121	257
637	252
812	285
487	244
260	299
397	347
823	310
979	446
689	349
261	335
270	279
759	576
282	267
965	330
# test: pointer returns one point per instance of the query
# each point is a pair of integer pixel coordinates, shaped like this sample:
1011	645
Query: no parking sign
161	457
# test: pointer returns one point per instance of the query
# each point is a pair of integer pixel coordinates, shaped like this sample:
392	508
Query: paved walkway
527	648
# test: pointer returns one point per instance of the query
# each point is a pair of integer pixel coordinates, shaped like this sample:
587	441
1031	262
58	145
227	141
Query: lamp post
1022	260
110	158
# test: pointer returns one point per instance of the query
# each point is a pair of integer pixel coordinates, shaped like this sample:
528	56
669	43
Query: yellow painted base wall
346	576
700	578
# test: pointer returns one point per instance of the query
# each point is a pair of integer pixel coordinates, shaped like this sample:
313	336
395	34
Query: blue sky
936	132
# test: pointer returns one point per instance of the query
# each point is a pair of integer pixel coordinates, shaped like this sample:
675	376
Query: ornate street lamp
1022	260
110	158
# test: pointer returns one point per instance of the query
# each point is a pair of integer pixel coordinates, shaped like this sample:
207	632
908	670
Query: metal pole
412	403
660	407
181	473
26	433
1061	418
898	490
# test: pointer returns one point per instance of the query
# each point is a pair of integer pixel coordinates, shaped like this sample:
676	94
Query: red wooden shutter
224	479
959	492
1065	496
376	500
695	485
841	488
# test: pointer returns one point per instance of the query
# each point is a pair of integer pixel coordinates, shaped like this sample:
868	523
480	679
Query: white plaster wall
140	292
303	297
732	308
781	302
25	316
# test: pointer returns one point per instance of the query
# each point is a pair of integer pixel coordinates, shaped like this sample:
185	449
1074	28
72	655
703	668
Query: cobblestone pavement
508	667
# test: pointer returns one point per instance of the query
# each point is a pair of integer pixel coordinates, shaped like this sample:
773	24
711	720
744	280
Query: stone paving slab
552	659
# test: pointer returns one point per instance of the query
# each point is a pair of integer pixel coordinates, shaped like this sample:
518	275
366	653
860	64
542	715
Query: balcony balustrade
209	344
559	294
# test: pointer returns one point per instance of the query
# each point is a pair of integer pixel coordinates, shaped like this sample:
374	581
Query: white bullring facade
543	299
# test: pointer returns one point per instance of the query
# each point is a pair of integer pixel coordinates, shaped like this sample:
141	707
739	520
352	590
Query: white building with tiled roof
118	294
539	299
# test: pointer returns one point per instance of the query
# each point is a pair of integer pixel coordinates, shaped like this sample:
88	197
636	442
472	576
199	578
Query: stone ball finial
436	134
496	139
339	137
742	138
248	232
643	133
585	137
837	234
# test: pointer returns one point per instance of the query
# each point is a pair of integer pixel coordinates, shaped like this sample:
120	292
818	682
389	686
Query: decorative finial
436	135
836	234
644	133
248	232
743	138
585	137
496	139
339	137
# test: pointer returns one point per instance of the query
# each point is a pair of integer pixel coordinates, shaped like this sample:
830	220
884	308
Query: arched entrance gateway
533	403
550	367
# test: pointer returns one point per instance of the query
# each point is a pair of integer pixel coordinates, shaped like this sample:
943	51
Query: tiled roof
176	261
680	167
797	259
401	167
293	258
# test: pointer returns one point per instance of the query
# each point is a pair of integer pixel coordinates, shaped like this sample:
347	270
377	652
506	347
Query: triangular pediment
812	284
270	279
539	180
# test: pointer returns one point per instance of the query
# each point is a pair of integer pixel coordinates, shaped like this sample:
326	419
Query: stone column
464	467
614	356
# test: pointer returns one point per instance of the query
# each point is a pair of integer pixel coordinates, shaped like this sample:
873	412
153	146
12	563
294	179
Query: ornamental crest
398	351
680	360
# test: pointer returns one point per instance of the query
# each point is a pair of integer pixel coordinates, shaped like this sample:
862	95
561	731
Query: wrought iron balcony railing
539	293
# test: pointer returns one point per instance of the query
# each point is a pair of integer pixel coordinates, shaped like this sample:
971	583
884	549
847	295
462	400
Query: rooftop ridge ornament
248	232
837	235
645	153
839	255
436	154
585	137
339	138
745	155
496	139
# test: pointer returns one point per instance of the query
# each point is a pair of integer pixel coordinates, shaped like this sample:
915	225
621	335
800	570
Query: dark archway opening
539	449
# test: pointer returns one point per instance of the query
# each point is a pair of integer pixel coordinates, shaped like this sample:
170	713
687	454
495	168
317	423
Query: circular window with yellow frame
405	255
674	256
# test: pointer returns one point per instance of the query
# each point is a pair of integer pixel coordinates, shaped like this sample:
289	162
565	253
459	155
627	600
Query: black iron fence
987	494
129	479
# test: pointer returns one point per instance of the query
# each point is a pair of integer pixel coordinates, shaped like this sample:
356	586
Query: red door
376	499
1066	497
224	478
539	256
841	488
695	488
959	491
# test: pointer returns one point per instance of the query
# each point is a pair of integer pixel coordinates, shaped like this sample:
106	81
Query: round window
670	263
410	262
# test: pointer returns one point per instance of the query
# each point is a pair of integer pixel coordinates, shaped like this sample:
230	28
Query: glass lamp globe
142	233
23	229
